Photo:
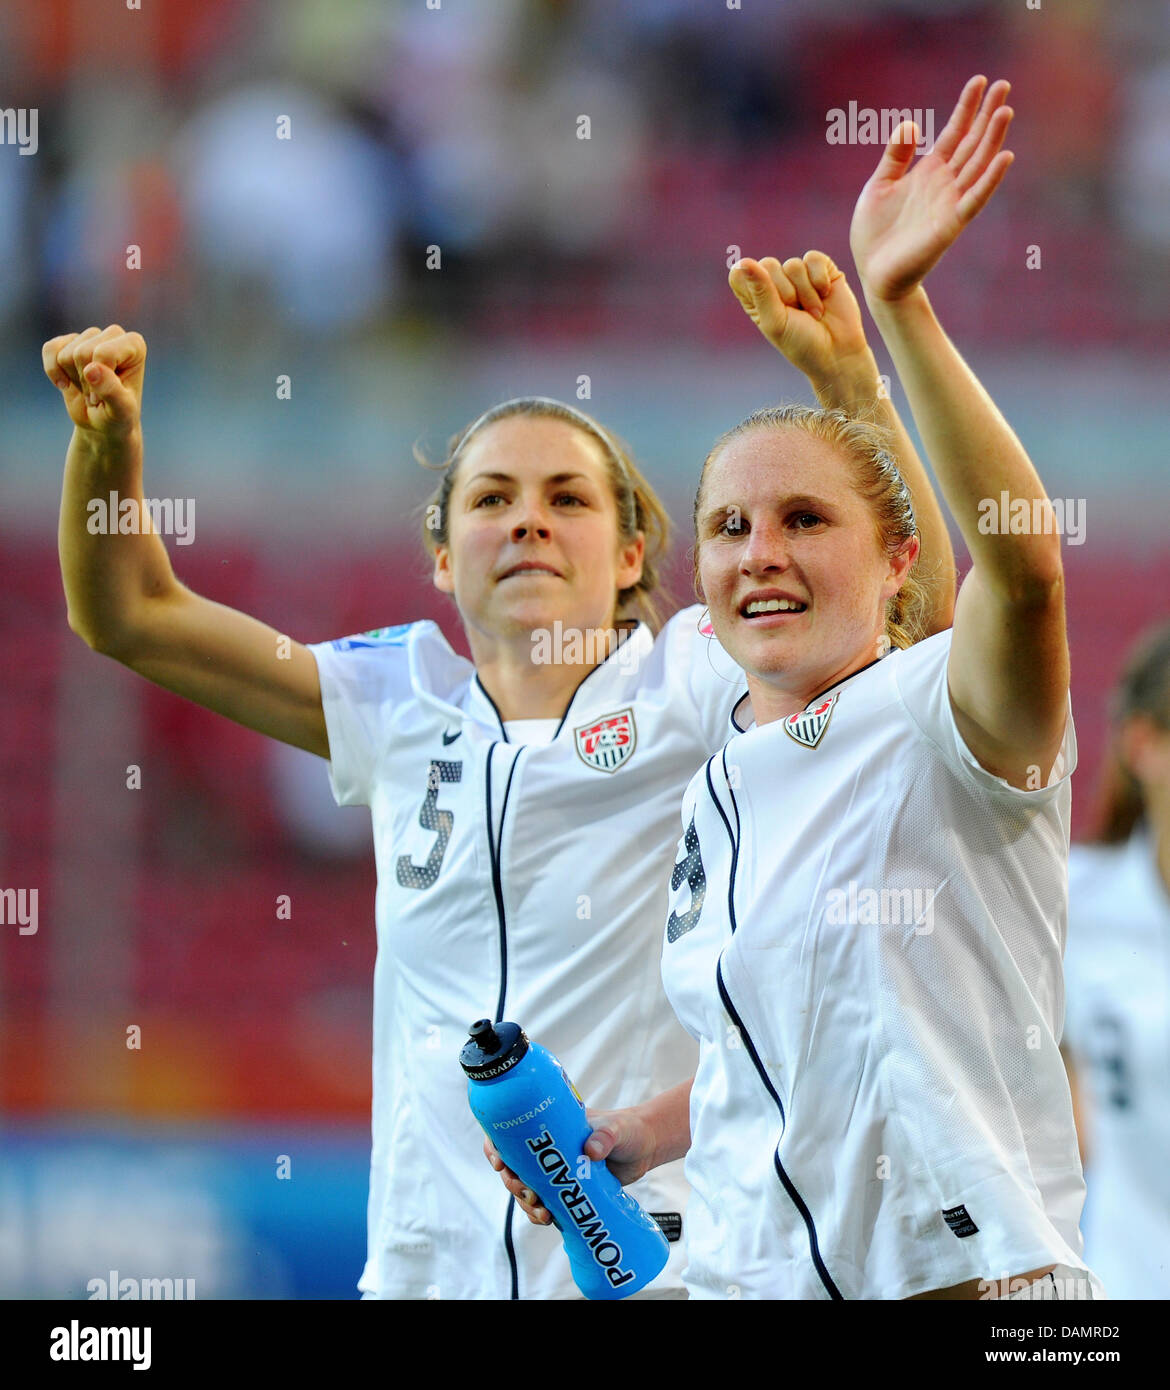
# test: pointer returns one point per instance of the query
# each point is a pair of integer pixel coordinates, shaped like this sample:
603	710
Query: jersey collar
613	680
820	695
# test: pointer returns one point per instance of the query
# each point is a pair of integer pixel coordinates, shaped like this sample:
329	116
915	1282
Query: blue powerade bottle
531	1112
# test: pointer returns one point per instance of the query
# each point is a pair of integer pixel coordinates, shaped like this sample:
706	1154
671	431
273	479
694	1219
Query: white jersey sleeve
366	680
922	685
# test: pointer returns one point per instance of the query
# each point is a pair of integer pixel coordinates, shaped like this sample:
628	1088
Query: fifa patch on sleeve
376	637
959	1220
670	1224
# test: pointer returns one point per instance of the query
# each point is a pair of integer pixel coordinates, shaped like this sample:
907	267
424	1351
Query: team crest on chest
808	727
608	742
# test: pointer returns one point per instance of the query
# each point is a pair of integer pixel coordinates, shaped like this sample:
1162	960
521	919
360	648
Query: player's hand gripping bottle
531	1112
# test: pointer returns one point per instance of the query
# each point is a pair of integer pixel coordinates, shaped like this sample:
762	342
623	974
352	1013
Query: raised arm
1008	671
122	595
807	311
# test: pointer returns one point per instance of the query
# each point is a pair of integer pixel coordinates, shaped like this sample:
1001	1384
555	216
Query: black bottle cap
492	1048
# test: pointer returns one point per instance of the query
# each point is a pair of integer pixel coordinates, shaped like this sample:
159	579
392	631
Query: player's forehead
532	449
763	465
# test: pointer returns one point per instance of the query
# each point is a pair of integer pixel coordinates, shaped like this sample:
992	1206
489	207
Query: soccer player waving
869	898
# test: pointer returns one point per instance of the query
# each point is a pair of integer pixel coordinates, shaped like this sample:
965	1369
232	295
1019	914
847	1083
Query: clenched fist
804	308
99	373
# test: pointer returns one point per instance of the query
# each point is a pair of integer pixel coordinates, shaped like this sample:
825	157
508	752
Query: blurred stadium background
561	258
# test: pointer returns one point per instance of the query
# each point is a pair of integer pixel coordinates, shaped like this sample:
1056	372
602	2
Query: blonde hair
638	507
868	448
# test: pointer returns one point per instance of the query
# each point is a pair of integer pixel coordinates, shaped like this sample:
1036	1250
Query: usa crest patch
608	742
808	727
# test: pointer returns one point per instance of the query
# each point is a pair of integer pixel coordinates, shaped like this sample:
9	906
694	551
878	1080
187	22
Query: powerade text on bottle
531	1112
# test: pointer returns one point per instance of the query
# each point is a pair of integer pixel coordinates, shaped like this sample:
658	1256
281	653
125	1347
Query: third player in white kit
1117	966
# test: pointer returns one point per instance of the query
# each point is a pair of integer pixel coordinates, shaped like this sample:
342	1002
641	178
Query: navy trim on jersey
500	718
495	708
736	725
849	677
511	1249
732	835
734	842
496	890
495	846
495	850
797	1200
629	637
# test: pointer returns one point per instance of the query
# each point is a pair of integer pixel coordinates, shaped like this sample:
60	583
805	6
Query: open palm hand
912	210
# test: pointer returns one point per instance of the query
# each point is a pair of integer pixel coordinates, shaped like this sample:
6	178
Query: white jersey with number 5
518	881
1117	1026
865	938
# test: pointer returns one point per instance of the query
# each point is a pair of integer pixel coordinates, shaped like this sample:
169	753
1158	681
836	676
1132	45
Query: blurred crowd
563	163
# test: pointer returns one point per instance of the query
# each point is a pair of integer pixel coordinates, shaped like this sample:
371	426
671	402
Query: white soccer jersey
525	882
865	937
1117	1026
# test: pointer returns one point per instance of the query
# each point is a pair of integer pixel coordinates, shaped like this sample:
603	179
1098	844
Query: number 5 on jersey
430	817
